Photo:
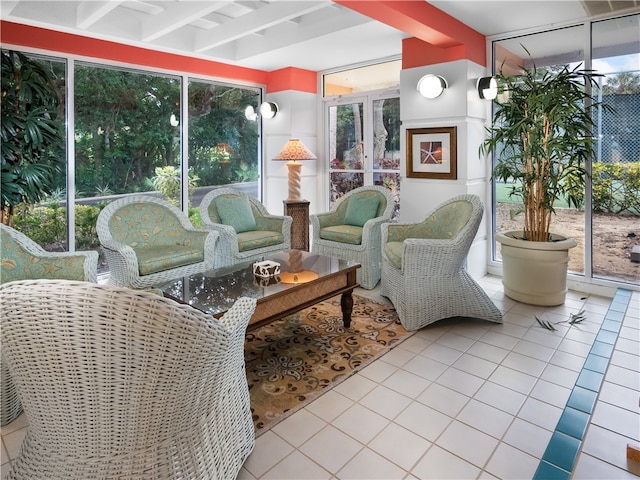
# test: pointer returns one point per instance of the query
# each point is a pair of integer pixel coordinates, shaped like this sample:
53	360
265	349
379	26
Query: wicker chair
23	259
121	383
148	242
247	230
351	230
424	266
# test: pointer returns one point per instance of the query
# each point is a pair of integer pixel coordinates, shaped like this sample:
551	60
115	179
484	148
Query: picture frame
432	153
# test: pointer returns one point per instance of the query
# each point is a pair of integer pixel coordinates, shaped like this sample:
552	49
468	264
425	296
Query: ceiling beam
177	16
88	13
418	19
260	19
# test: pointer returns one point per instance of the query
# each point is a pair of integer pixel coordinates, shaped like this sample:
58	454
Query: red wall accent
292	78
429	25
416	53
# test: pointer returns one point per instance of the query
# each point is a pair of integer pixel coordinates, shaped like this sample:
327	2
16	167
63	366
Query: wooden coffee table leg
347	307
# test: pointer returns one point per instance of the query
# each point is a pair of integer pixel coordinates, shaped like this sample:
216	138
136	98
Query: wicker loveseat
351	230
121	383
147	242
424	266
247	230
24	259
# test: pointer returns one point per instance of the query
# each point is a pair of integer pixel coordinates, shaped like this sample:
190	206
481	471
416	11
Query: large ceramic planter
535	272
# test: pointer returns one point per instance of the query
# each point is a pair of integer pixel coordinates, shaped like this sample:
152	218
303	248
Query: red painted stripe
51	40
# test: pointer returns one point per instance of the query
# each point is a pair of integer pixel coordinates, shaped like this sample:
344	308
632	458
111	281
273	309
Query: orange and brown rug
294	360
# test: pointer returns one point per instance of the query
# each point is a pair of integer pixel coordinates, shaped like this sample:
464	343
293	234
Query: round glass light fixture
268	109
432	86
487	88
250	114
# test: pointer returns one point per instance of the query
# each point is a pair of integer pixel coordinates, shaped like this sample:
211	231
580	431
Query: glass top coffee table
305	279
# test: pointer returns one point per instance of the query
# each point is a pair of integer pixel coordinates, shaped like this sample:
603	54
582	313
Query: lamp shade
295	150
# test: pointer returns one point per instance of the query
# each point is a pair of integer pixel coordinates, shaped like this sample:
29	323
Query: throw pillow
361	209
236	211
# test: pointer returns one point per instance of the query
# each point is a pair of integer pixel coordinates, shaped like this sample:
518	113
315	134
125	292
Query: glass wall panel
346	148
547	50
37	174
386	147
224	146
616	172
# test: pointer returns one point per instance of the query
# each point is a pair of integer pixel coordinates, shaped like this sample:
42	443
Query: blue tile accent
602	349
611	325
607	337
596	363
590	380
546	471
573	422
562	451
582	399
616	316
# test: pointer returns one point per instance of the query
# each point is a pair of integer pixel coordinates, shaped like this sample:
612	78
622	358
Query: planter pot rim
513	239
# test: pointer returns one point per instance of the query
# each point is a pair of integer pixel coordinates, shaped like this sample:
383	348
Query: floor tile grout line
555	463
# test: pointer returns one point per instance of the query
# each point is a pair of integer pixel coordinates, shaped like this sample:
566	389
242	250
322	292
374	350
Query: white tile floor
460	399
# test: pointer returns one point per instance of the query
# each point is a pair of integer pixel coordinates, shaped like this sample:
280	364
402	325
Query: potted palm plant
542	143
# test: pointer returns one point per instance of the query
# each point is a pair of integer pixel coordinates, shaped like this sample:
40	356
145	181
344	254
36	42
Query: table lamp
293	153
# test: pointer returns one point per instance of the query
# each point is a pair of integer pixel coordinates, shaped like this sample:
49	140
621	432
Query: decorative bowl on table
266	269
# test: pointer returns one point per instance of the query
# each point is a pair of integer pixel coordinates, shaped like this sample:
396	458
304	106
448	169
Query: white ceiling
273	34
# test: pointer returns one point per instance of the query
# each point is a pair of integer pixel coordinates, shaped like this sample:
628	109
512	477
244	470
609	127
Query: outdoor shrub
616	187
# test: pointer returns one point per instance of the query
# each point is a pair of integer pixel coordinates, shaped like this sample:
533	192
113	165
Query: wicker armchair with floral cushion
148	242
424	266
122	383
247	230
351	230
24	259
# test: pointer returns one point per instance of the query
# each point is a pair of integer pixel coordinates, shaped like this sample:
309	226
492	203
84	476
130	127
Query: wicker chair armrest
429	257
124	251
238	316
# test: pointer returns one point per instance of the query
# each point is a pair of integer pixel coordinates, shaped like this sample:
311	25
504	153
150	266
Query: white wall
296	118
458	106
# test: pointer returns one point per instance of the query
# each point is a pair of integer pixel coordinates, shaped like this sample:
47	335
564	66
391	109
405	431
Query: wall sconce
487	88
293	152
266	109
432	86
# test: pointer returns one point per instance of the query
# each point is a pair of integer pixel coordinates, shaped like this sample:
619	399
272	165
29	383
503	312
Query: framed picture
431	153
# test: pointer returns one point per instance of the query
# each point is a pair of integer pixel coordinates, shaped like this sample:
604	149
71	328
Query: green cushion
236	212
18	264
361	209
160	258
393	250
258	239
343	234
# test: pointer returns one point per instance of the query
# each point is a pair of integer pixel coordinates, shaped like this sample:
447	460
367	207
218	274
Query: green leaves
541	138
574	319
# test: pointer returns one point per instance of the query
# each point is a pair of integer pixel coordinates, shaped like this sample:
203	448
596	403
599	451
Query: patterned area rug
295	360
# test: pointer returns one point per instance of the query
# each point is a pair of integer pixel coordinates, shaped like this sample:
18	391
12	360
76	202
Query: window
129	137
606	226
